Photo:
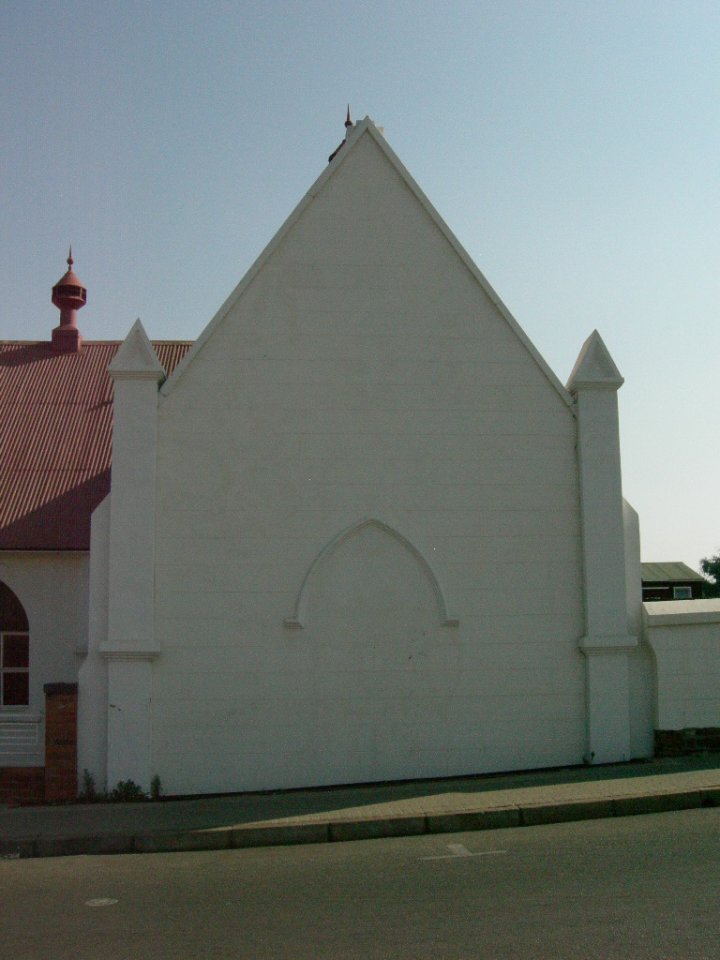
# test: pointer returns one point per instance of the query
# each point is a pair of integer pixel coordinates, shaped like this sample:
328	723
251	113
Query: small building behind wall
671	581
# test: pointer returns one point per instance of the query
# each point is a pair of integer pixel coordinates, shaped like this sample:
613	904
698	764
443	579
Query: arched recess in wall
14	651
298	618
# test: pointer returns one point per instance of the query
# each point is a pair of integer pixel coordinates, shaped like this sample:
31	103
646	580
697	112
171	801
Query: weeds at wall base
126	791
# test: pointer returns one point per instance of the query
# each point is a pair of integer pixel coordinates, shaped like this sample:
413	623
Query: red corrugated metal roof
56	440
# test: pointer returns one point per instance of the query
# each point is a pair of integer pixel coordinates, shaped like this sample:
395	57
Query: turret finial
69	296
348	121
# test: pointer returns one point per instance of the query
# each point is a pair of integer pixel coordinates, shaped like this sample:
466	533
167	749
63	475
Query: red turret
69	296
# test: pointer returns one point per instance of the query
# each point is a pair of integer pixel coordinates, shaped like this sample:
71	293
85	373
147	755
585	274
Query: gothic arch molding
12	612
298	618
14	651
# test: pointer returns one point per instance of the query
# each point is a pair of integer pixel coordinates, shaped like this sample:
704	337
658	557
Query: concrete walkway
362	812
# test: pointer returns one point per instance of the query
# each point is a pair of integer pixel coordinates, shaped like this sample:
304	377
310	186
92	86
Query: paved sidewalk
362	812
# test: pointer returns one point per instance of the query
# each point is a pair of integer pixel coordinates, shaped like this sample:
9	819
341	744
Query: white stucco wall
92	676
52	588
641	661
364	373
685	638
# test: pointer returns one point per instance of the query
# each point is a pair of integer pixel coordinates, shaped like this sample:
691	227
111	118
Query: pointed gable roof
355	134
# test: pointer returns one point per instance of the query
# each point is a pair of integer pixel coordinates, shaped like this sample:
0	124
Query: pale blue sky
573	147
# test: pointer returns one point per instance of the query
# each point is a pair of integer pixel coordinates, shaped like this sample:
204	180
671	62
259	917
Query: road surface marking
458	850
100	902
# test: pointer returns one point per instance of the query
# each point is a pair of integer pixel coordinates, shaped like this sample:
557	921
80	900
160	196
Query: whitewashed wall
52	587
641	661
364	373
92	676
685	638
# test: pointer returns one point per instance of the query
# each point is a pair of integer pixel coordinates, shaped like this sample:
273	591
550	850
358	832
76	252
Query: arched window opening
14	651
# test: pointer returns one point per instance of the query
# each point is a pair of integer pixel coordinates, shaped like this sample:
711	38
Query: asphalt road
633	887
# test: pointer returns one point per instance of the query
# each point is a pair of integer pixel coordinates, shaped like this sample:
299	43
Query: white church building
358	531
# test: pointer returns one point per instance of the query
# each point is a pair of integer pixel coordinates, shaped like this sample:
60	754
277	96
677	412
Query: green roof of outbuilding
673	570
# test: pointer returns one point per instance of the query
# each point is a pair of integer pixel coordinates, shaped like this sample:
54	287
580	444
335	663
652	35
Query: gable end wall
364	373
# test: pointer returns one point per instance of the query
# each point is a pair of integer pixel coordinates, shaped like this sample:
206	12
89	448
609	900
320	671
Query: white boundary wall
685	638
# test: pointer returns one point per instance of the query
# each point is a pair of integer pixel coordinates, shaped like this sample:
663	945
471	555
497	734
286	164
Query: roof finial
69	296
348	125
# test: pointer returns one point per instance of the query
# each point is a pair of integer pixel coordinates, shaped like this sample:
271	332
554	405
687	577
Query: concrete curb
284	834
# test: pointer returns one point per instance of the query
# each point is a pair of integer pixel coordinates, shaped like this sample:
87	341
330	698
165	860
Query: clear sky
573	148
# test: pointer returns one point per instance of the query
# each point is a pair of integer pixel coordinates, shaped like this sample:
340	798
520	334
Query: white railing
18	735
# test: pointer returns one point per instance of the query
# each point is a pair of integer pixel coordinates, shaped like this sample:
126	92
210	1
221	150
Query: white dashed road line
457	850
